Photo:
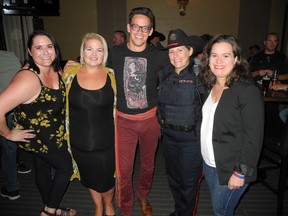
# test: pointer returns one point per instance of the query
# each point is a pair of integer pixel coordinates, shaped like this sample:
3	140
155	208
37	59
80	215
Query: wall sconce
182	6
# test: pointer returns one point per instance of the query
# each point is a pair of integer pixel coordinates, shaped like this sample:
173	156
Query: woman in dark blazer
232	126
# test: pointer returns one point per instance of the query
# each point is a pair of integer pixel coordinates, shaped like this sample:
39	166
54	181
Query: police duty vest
179	97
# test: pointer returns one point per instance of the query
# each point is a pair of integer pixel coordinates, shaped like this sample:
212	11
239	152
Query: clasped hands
266	72
279	86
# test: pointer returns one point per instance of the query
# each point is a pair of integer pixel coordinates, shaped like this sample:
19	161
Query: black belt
188	128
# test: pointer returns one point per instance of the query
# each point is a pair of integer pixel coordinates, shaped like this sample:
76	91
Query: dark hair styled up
55	64
241	67
143	11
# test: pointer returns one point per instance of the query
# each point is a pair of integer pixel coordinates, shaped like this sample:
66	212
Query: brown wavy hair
240	70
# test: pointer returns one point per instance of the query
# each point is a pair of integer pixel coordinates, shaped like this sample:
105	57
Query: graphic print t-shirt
136	76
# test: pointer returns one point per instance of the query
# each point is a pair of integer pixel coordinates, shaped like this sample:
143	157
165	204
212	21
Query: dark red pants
129	133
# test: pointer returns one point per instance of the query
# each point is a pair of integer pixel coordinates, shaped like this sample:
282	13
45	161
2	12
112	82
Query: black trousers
52	183
183	168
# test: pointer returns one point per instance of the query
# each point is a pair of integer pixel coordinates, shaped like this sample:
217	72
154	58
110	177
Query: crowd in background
198	95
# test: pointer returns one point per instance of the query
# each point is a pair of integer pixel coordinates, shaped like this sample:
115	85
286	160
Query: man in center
136	65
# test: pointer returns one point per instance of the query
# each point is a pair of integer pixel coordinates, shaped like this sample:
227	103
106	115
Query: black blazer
238	131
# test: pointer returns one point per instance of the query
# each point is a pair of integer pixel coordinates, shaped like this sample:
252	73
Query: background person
254	49
156	38
10	65
91	97
119	37
180	100
199	55
232	125
269	59
39	98
136	65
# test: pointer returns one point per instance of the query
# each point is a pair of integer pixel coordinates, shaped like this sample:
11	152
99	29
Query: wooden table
276	96
275	144
274	102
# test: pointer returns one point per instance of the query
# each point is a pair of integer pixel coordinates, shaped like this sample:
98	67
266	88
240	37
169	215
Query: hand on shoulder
69	64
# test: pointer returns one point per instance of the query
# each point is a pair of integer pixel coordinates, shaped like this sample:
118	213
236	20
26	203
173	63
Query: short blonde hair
98	37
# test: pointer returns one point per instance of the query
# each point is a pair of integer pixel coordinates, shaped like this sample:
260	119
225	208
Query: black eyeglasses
144	29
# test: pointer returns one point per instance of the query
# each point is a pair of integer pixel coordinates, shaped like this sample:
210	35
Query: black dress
92	134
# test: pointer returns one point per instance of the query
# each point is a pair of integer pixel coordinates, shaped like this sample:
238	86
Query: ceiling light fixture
182	6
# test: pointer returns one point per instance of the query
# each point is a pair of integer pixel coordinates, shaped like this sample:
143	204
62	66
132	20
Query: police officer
179	110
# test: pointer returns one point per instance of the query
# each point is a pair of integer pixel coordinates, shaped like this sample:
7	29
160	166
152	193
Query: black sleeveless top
91	117
46	116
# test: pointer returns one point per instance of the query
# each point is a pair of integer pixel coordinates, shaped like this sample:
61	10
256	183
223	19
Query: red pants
129	133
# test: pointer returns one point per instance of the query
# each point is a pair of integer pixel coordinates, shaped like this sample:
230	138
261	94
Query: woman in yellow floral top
37	95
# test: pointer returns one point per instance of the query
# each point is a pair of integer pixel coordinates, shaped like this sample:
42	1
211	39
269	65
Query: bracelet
6	134
238	175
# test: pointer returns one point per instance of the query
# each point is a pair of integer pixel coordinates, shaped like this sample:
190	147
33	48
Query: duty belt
186	128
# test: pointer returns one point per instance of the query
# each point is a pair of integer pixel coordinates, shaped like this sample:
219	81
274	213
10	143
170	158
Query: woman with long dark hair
37	95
